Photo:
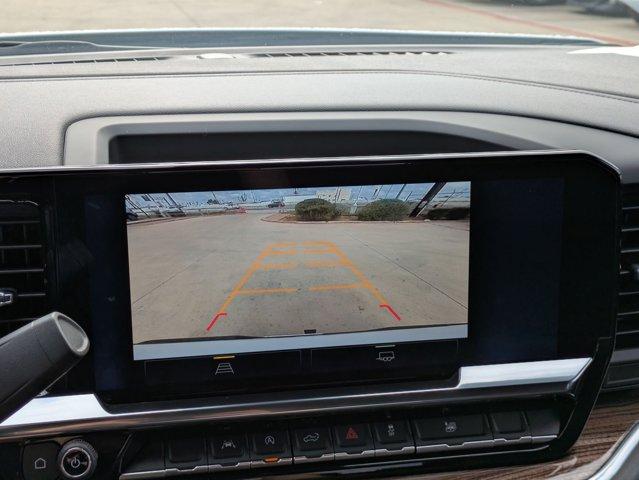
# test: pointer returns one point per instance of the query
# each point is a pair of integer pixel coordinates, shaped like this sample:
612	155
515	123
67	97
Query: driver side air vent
624	368
23	285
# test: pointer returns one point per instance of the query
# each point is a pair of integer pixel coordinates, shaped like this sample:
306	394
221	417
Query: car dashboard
487	329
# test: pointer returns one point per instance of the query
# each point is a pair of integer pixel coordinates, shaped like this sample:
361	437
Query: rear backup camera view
257	267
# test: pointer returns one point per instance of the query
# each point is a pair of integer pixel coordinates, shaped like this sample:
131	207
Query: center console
365	314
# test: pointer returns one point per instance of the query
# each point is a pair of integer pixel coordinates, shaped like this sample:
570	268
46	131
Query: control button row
76	460
278	447
461	432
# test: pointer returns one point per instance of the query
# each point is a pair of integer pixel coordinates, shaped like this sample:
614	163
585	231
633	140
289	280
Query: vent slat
17	271
19	247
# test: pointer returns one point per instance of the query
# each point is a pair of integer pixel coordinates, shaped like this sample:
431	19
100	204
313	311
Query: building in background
335	195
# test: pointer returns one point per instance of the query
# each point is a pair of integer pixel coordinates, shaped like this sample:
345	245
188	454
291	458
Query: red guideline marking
214	319
392	312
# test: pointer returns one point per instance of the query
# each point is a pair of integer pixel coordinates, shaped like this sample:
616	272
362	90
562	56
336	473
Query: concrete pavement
438	15
236	274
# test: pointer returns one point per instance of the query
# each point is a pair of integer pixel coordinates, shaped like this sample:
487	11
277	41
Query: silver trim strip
623	462
525	440
46	416
145	474
326	457
218	467
384	452
347	456
444	447
510	373
199	166
543	439
187	471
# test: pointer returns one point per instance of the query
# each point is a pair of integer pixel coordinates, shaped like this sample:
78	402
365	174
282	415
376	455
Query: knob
77	460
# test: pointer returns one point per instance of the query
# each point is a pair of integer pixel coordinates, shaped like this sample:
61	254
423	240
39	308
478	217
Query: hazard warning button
355	439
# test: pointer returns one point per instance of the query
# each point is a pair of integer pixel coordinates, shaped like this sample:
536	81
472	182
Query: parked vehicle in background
602	7
541	2
632	8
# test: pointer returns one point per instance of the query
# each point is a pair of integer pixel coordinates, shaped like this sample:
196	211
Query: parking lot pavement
438	15
236	274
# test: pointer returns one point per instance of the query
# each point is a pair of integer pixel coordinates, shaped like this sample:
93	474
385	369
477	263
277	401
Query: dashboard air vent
89	60
624	369
224	55
23	292
350	53
628	314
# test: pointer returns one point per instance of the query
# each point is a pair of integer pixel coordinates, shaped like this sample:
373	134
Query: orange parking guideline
347	286
292	248
260	291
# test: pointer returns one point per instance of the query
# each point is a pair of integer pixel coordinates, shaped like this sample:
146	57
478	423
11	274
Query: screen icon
351	434
450	427
386	356
224	368
226	444
311	437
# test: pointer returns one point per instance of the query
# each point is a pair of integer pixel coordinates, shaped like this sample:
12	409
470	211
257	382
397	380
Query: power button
77	460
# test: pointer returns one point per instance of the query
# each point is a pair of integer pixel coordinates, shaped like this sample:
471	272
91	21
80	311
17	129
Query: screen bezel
587	300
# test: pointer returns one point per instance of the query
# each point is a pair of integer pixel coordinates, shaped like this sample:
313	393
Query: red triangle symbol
351	434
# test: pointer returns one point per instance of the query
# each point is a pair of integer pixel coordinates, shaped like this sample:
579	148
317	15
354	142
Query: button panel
435	434
185	453
223	368
393	437
406	359
271	447
309	443
312	444
353	439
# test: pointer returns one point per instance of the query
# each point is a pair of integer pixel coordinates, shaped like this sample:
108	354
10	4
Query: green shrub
387	209
315	209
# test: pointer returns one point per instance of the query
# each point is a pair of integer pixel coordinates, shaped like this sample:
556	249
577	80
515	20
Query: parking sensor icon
224	368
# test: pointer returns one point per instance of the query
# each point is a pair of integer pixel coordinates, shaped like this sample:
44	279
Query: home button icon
39	461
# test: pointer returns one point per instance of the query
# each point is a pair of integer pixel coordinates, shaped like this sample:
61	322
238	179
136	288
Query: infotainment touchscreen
219	272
